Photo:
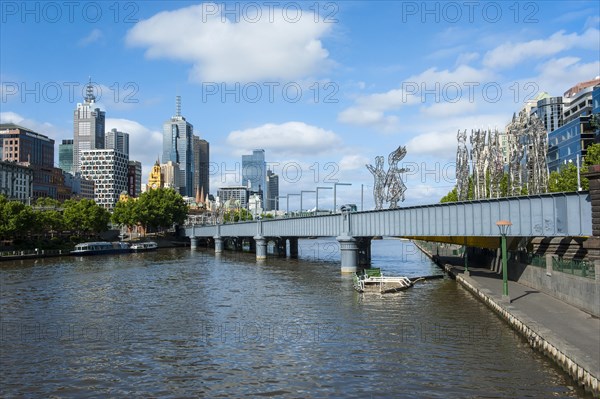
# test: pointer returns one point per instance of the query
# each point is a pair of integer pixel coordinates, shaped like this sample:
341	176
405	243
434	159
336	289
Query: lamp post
504	226
334	194
320	188
302	192
288	203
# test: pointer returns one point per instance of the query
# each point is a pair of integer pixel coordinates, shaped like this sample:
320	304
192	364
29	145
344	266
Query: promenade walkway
566	334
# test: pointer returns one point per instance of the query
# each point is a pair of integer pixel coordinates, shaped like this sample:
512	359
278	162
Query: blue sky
323	87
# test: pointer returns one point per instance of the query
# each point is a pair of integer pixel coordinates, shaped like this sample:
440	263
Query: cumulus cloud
510	54
45	128
295	138
353	162
270	47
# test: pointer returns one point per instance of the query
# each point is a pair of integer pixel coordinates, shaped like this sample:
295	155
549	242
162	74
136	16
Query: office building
88	127
254	172
578	103
16	181
115	140
171	175
236	195
134	178
550	112
272	199
108	170
201	166
80	187
65	155
178	148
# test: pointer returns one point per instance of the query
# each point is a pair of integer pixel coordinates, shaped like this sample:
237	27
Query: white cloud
45	128
94	36
222	50
353	162
444	109
296	138
510	54
558	74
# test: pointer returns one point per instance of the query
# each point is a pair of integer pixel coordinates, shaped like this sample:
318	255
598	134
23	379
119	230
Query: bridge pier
261	247
193	242
218	244
349	254
364	251
293	246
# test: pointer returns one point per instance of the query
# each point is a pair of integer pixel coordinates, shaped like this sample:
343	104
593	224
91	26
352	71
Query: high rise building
16	181
272	199
26	147
65	155
134	178
108	170
550	111
115	140
171	175
201	165
236	195
178	148
579	103
88	127
254	173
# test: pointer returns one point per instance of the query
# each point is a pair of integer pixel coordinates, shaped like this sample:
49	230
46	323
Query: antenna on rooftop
178	106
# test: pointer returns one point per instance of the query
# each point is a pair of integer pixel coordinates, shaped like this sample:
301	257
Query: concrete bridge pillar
261	247
293	247
218	244
349	254
364	251
193	242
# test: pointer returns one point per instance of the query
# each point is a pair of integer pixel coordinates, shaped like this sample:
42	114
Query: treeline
563	181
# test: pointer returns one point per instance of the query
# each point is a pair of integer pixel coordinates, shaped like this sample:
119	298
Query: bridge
546	215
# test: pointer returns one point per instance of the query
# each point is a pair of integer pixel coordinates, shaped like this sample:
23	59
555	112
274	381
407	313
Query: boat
373	280
100	248
144	246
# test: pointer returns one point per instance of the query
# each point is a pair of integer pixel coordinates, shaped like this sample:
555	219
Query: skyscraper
108	170
178	148
65	155
201	163
272	191
88	127
254	170
116	140
134	178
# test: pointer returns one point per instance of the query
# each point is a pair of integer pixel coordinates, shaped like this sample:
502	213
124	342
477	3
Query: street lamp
317	204
334	192
302	192
504	226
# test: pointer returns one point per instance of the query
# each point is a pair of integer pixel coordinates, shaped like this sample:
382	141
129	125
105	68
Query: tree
85	216
452	196
593	155
564	180
160	208
126	213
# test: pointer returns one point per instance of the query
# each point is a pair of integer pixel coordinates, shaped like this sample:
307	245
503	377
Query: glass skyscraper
65	155
254	173
178	148
88	127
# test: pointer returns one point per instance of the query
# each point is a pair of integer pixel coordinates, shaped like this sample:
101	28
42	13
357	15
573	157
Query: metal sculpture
388	186
496	164
516	133
462	166
480	163
537	167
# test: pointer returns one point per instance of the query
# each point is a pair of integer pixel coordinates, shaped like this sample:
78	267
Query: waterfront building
172	176
155	179
88	127
272	200
254	172
178	148
550	111
134	179
117	140
108	170
65	155
201	165
235	195
79	186
578	103
16	181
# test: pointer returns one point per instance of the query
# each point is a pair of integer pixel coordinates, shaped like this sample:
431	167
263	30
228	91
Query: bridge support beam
193	242
293	247
349	254
261	247
218	244
364	251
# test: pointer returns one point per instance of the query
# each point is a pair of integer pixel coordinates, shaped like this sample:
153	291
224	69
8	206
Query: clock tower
155	180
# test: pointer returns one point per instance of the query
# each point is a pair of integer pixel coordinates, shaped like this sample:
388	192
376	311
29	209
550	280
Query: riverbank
564	333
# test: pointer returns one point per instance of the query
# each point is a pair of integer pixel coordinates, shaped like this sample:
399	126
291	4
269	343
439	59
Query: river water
177	323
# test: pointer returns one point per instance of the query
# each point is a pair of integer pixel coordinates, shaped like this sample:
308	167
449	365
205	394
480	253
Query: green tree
161	208
19	219
593	155
126	213
85	216
565	180
452	196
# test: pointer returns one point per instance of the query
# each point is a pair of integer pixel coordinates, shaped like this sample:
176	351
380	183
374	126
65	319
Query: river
177	323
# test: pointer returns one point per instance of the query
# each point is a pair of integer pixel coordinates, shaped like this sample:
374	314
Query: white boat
100	248
144	246
374	280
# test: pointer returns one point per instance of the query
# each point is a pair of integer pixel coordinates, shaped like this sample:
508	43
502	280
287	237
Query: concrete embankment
562	332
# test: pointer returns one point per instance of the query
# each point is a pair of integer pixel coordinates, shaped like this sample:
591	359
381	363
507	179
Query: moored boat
144	246
100	248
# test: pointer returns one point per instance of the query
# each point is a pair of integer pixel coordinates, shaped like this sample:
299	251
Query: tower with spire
88	126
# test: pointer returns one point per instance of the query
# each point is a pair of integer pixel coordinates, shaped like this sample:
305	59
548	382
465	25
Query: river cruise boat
100	248
144	246
372	280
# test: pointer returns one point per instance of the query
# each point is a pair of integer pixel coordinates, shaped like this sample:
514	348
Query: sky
323	87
